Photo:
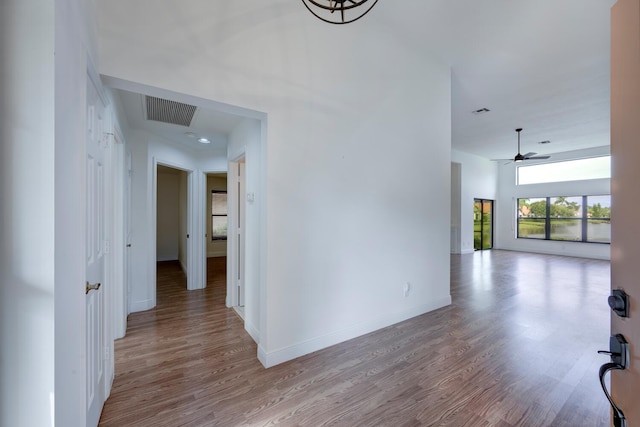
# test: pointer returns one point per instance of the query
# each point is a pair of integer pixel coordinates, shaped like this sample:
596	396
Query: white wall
27	186
42	237
510	192
356	150
168	216
478	180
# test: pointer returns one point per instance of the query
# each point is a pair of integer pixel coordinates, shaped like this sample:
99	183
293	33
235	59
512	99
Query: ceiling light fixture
347	9
203	140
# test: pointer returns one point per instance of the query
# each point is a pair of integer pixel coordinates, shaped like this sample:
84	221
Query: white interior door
625	228
242	200
127	231
95	339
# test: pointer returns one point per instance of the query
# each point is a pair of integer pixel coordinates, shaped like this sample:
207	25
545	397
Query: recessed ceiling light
190	134
203	140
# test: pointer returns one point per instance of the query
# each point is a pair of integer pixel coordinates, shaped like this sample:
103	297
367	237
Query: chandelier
339	11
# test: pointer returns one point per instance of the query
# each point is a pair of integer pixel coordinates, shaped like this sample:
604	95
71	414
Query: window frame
215	238
584	219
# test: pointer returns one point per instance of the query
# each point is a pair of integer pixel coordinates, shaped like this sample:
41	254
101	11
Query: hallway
516	348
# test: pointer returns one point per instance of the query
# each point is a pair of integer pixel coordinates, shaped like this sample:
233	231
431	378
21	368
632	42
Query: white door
242	200
96	144
127	231
625	150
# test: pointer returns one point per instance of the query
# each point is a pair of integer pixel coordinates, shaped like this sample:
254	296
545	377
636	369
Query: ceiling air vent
163	110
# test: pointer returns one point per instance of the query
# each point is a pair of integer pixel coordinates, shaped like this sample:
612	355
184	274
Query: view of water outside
566	218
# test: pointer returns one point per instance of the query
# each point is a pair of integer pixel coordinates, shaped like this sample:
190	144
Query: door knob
619	352
91	287
619	302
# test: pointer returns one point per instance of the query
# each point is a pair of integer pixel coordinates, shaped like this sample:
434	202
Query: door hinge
106	352
107	246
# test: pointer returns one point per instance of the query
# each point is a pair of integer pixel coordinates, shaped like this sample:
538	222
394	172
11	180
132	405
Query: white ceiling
542	65
213	125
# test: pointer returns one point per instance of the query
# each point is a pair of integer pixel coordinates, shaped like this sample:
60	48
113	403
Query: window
218	215
571	170
577	219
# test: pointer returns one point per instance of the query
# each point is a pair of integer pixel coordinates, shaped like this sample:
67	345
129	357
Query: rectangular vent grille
163	110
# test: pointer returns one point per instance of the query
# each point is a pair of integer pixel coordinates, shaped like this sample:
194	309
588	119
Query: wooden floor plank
517	347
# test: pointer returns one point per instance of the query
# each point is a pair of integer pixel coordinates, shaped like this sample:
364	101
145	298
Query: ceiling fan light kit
339	11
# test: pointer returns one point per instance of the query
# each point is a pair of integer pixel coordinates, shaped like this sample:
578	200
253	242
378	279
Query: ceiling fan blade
537	157
526	156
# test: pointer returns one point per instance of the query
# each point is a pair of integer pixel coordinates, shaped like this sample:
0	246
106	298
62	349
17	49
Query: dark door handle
619	352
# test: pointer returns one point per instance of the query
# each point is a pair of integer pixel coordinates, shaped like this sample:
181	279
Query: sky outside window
572	170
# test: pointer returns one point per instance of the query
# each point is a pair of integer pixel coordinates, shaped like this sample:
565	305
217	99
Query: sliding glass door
482	224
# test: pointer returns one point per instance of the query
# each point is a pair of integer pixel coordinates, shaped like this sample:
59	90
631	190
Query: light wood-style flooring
516	348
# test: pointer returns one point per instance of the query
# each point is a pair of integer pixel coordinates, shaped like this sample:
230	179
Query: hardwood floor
516	348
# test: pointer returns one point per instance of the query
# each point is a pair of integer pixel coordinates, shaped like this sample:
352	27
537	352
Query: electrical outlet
407	289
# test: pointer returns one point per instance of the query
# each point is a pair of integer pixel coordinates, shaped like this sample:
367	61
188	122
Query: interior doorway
172	217
482	224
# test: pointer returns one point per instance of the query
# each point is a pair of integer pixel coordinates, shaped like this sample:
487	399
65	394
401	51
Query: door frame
482	202
234	246
196	268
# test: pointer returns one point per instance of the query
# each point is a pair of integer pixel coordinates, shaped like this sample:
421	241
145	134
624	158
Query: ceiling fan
521	157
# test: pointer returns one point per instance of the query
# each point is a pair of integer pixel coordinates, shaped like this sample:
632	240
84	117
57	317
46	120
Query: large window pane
532	214
599	223
531	228
218	203
599	206
565	207
566	229
218	227
218	215
572	170
599	230
532	208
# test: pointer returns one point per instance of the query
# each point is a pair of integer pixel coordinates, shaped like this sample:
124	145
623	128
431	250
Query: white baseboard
144	305
183	267
252	331
276	357
215	254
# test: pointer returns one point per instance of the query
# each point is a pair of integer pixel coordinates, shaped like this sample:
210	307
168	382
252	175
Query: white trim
276	357
118	250
142	305
232	215
252	331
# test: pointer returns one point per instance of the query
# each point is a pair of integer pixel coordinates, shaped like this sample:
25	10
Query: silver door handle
92	287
